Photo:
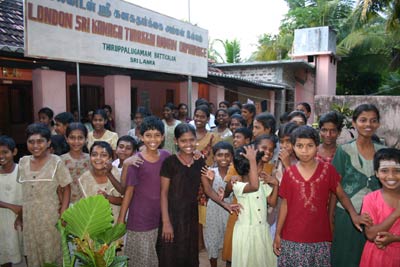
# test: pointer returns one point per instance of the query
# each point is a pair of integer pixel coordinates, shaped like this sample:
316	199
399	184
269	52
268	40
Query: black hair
8	142
129	139
333	117
203	108
183	128
59	145
47	111
246	132
287	129
76	126
143	110
152	123
241	164
239	118
250	107
221	109
38	128
100	112
169	105
104	145
182	104
202	101
305	105
284	118
271	137
237	103
386	154
64	117
108	107
222	145
306	132
233	111
226	103
267	120
365	107
297	113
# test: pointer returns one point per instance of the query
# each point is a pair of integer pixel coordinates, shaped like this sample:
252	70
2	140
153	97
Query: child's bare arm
254	183
114	200
357	220
279	225
331	211
272	199
372	231
66	194
167	230
116	184
125	203
14	208
209	191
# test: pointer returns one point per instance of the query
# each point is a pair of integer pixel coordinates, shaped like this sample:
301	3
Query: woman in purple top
142	197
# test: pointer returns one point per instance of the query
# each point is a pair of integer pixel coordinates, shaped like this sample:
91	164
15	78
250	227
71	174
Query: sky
244	20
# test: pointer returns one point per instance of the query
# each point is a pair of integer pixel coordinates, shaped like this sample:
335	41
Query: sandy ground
203	257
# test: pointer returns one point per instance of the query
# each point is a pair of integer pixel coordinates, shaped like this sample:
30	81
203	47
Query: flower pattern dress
76	168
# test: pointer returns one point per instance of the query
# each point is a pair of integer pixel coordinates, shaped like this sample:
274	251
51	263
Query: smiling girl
76	160
354	162
100	133
40	174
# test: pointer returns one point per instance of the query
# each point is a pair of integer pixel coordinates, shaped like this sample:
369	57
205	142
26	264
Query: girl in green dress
354	163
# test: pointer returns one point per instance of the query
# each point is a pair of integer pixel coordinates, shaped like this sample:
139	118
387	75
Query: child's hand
251	152
269	179
18	225
235	208
221	193
207	172
102	192
383	239
133	160
235	179
197	155
108	166
168	232
363	219
284	157
277	245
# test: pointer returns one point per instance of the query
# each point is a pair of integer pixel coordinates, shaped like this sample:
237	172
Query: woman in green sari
354	162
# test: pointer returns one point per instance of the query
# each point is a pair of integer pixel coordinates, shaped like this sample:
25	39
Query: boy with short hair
142	196
126	147
241	137
10	204
62	120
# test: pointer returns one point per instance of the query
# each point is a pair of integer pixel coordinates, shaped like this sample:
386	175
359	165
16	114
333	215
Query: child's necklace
183	161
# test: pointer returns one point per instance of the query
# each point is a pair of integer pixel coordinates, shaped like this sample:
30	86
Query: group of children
269	198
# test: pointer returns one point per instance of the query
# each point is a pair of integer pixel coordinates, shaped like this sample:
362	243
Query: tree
231	51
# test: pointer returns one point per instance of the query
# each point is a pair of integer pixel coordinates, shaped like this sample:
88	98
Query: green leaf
64	244
120	261
50	265
109	255
112	234
91	215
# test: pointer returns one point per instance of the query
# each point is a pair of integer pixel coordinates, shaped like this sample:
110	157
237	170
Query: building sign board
114	33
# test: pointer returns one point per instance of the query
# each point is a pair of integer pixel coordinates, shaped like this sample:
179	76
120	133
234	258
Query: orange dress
227	247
